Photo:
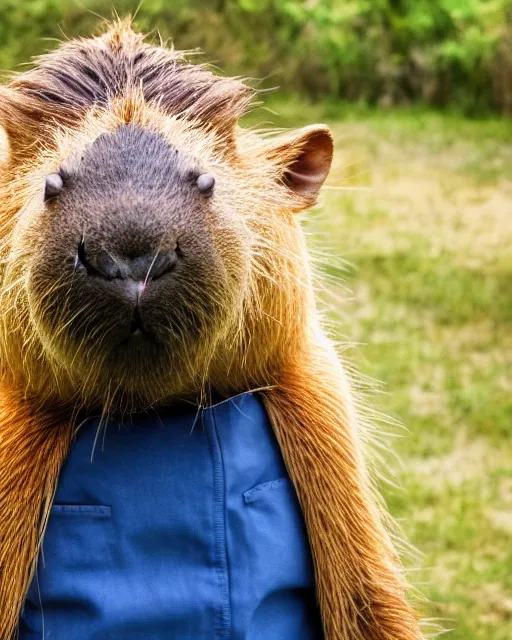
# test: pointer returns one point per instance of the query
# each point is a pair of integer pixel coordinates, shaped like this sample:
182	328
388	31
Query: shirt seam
223	617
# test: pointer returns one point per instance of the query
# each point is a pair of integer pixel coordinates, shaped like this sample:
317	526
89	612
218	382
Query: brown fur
265	334
33	446
360	590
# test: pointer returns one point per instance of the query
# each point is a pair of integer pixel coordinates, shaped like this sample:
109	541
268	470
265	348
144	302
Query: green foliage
387	52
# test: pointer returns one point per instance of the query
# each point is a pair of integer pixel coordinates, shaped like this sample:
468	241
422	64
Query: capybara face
142	262
150	249
136	258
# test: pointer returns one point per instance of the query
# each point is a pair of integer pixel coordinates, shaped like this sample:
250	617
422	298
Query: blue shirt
177	525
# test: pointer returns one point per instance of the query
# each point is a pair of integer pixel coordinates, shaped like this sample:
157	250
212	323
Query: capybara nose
143	268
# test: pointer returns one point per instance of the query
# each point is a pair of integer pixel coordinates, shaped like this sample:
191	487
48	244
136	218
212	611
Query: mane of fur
273	341
91	72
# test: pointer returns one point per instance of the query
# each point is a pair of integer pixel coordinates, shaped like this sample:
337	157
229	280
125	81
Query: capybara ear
304	159
5	147
20	122
26	120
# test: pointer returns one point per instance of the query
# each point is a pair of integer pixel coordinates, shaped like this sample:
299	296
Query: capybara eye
205	183
53	186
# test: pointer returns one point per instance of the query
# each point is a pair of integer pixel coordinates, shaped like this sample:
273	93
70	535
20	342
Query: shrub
439	52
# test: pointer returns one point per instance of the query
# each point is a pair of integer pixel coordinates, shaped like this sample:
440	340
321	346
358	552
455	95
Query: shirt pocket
82	510
280	563
78	537
77	551
260	490
279	542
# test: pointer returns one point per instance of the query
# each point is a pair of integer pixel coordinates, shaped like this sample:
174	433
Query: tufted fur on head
129	127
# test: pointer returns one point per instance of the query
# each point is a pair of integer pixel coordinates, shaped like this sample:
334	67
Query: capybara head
149	244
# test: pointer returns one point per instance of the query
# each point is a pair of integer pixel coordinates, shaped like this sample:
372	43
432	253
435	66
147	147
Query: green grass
427	254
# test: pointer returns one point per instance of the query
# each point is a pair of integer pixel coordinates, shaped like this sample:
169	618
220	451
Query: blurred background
414	235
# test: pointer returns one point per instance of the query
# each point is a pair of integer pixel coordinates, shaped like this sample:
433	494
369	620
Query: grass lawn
421	261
